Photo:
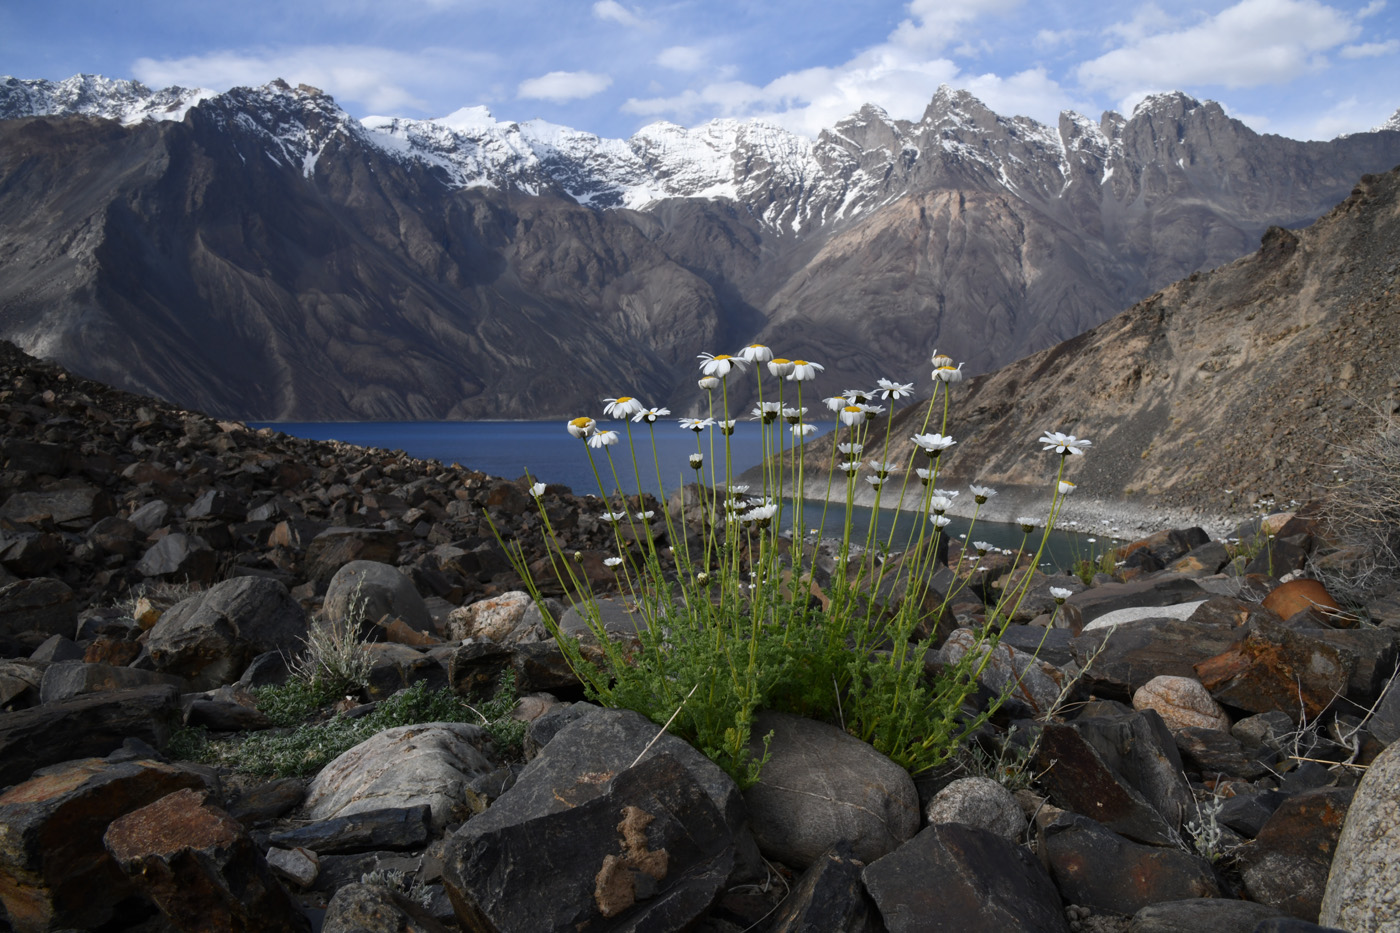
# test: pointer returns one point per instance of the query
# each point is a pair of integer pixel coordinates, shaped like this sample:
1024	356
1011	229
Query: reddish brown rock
1297	596
200	867
52	860
1277	668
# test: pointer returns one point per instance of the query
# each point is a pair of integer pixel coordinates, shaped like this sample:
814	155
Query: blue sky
1301	68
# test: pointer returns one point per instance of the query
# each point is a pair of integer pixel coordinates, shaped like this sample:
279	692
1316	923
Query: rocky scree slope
1229	386
261	254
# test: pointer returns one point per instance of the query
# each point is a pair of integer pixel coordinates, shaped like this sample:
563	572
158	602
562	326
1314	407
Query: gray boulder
979	802
210	638
822	786
1365	873
371	592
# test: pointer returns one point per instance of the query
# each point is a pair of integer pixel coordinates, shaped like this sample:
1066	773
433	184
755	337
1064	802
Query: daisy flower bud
581	427
697	461
622	407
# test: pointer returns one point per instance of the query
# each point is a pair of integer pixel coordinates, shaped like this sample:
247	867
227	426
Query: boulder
1201	914
1096	867
377	908
1181	702
958	878
979	802
429	764
70	504
1278	668
375	594
211	637
179	556
51	855
75	678
83	726
495	619
1295	596
829	896
1365	872
1287	864
1028	679
646	850
199	866
34	610
337	546
1133	655
821	786
387	828
1169	590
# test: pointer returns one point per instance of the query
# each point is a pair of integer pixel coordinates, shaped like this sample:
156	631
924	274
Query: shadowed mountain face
266	256
1230	385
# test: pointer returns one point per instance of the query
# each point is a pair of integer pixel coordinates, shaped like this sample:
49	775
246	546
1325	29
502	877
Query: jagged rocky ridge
265	255
1245	382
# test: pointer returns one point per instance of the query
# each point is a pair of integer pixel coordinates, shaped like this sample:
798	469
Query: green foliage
726	631
292	703
188	743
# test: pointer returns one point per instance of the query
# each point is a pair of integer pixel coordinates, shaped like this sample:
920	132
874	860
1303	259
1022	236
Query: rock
1384	723
374	593
31	553
1089	604
1287	864
267	801
89	725
494	619
429	764
1157	550
19	684
363	830
829	896
51	855
199	866
75	678
69	504
619	618
1295	596
1277	668
647	850
178	555
822	786
211	637
337	546
37	609
1202	561
1200	914
375	908
58	648
1031	681
1122	771
957	878
1095	867
394	667
150	516
980	802
1213	753
225	716
1181	702
1246	814
1365	872
299	866
1293	925
1126	660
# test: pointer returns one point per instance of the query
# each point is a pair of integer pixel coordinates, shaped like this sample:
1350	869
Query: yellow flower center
722	356
581	422
780	361
854	408
623	399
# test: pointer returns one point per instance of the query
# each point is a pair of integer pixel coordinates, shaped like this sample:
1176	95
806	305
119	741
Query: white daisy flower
708	383
697	461
940	504
755	353
1060	594
894	390
925	475
940	521
645	516
883	468
651	415
1065	487
1065	444
767	412
793	415
948	373
1027	524
726	427
875	481
803	430
933	444
780	367
850	449
603	439
720	364
611	561
981	494
537	490
983	547
835	403
940	360
696	424
849	467
624	406
581	427
761	515
853	415
803	371
613	517
737	489
947	493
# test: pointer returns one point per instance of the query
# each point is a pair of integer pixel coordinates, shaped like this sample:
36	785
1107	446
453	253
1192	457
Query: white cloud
372	77
1252	43
682	58
1371	49
560	86
612	10
1052	38
1371	9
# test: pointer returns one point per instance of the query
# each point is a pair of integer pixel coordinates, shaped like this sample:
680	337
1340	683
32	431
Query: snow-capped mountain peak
96	96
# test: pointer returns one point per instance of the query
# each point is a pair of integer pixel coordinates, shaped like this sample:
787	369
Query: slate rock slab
1086	606
958	878
829	896
822	786
1287	864
51	855
1202	915
388	828
1278	668
651	852
90	725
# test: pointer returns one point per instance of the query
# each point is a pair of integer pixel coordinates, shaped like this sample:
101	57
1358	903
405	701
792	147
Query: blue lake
546	452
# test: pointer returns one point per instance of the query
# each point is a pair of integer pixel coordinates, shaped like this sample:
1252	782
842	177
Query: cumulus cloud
1252	43
560	86
617	13
682	58
369	76
1371	49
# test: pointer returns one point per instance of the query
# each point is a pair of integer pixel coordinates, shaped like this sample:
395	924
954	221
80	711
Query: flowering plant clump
741	611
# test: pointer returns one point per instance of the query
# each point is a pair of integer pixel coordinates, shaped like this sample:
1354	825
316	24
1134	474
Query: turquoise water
546	452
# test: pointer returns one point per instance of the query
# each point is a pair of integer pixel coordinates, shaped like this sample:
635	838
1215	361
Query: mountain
1246	382
262	254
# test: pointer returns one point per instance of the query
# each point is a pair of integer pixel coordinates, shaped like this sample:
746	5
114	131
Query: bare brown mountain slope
1226	386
